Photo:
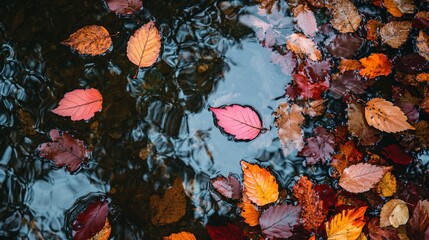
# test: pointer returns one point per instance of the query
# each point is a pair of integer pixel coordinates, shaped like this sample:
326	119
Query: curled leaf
377	64
361	177
394	213
144	45
80	104
346	225
92	40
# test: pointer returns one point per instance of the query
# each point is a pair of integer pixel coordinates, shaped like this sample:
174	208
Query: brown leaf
144	45
395	33
398	7
347	155
394	213
171	207
424	104
377	64
302	46
315	108
345	16
289	120
387	186
305	19
422	44
346	83
361	177
358	127
418	226
372	27
92	40
349	65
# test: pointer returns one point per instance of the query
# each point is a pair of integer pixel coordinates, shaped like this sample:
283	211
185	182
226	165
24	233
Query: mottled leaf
303	47
124	7
286	62
387	186
249	212
373	27
305	19
358	126
422	43
309	89
289	120
348	82
349	65
377	64
92	40
418	226
345	16
361	177
398	7
278	221
80	104
347	155
378	233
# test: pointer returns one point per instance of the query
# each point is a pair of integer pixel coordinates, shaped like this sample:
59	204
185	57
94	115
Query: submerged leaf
92	40
125	7
289	120
320	147
348	82
305	19
80	104
378	233
343	45
361	177
422	43
91	221
394	213
377	64
345	16
104	234
277	221
395	33
228	232
229	187
144	45
346	225
309	89
302	46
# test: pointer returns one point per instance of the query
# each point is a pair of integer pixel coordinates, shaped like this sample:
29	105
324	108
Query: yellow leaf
144	46
249	212
394	213
377	64
387	186
259	185
181	236
346	225
386	117
303	46
92	40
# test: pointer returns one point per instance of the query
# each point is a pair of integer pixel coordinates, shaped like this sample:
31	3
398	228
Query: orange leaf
144	46
398	7
249	212
392	8
312	213
80	104
302	46
346	225
104	233
377	64
372	29
387	186
349	65
422	77
181	236
92	40
386	117
259	185
361	177
348	155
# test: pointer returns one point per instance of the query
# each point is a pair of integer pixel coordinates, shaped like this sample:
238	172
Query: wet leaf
64	150
346	225
229	187
289	120
418	226
278	221
424	104
421	20
181	236
320	147
144	45
422	43
397	154
378	233
347	155
361	177
312	212
315	108
348	82
104	234
345	16
412	63
387	186
394	213
286	62
92	40
124	7
305	19
91	221
241	122
259	185
395	33
373	27
358	126
228	232
171	207
309	89
303	47
422	77
377	64
343	45
398	7
349	65
80	104
249	212
386	117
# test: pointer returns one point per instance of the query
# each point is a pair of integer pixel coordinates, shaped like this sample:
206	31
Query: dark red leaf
229	187
64	150
378	233
418	226
317	71
229	232
277	221
308	89
397	154
411	63
320	147
345	83
343	45
326	194
420	23
90	221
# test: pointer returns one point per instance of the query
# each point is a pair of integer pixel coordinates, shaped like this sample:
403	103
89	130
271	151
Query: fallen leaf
373	27
228	232
422	44
346	225
348	82
259	185
387	186
418	226
347	155
358	126
424	104
421	20
171	207
345	16
312	211
243	123
411	63
286	62
124	7
395	33
422	77
144	45
302	46
229	187
289	120
361	177
104	234
181	236
91	221
317	3
92	40
394	213
317	72
343	45
397	154
378	233
349	65
315	108
278	221
249	212
327	195
80	104
386	117
377	64
64	150
309	89
398	7
305	19
320	147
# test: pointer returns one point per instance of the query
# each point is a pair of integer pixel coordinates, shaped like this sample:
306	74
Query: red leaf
320	147
379	233
395	153
418	226
125	7
308	89
242	122
277	221
229	187
64	150
229	232
90	221
80	104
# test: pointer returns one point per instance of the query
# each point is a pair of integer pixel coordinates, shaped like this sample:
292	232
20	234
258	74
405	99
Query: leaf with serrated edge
92	40
144	45
277	221
346	225
361	177
80	104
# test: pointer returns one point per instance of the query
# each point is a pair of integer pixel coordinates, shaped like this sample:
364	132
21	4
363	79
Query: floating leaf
376	232
387	186
104	234
345	83
347	155
249	212
418	226
394	213
181	236
229	187
144	46
80	104
395	33
345	16
386	117
358	126
305	19
398	7
308	89
242	122
171	207
286	62
422	43
124	7
259	185
64	150
343	45
92	40
320	147
277	221
346	225
377	64
422	77
89	222
303	46
349	65
228	232
397	154
361	177
289	120
315	108
373	27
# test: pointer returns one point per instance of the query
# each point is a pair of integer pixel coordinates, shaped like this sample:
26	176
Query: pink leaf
277	221
90	221
362	177
125	7
229	187
80	104
64	150
286	62
242	122
305	20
